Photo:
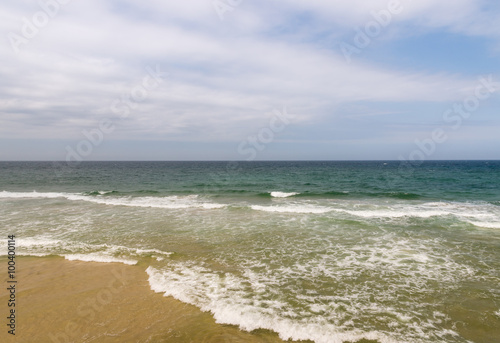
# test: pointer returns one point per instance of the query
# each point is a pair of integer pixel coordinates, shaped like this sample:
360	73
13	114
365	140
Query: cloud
225	77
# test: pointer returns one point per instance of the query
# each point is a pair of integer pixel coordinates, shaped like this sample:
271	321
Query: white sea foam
95	257
292	209
224	298
479	214
168	202
282	194
39	241
266	290
395	270
35	246
34	194
3	252
419	210
489	225
152	251
43	246
395	213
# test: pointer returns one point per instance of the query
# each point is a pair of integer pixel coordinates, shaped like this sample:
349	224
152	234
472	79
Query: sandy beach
64	301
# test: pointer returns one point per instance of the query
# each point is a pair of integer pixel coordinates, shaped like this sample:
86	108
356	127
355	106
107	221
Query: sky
249	80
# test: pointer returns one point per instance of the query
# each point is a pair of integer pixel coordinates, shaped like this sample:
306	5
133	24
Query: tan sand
62	301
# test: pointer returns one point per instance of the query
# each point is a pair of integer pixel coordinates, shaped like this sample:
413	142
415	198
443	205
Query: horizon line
245	161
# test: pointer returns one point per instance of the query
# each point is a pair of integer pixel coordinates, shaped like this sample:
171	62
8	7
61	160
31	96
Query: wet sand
64	301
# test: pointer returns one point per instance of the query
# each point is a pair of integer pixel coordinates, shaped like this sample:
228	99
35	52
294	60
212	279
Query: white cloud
224	76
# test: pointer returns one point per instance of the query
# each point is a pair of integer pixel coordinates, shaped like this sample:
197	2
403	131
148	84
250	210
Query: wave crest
283	194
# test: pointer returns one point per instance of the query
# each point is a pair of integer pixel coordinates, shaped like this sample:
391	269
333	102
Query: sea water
320	251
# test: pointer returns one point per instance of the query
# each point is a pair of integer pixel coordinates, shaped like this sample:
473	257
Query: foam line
94	257
168	202
282	194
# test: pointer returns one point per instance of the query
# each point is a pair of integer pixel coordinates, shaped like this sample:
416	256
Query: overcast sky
244	80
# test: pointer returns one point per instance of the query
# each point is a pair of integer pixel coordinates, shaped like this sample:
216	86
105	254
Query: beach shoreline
63	301
323	252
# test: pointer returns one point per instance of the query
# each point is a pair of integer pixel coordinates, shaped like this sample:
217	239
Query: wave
378	213
95	257
100	192
121	193
257	295
336	194
282	194
292	209
360	195
168	202
103	256
302	194
34	194
488	225
478	214
222	297
332	194
71	250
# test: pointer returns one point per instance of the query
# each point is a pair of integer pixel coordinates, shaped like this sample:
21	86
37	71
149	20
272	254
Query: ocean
320	251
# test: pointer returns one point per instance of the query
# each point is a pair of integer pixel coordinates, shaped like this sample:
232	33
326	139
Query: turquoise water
325	251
